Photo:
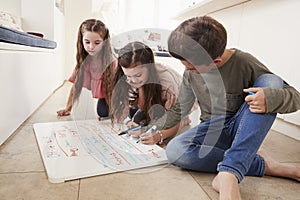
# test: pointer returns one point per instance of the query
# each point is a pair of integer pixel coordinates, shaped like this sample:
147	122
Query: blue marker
131	129
251	93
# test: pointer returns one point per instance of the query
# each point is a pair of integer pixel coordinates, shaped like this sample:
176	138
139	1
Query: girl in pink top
94	66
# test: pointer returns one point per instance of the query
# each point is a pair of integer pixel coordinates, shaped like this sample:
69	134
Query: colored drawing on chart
90	142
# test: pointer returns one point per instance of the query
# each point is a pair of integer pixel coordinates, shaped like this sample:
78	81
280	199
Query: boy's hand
257	102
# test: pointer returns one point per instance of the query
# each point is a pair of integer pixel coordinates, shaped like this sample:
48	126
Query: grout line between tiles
78	193
200	186
27	172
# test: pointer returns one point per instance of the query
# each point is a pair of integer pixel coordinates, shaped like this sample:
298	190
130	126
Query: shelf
18	47
206	7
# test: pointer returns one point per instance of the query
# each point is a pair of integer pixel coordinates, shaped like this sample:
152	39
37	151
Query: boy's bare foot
227	185
275	168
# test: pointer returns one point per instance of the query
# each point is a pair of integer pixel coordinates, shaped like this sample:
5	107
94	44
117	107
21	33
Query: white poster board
77	149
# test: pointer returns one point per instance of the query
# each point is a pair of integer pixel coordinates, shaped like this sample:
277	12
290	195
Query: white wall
11	6
126	15
269	29
59	37
76	11
38	16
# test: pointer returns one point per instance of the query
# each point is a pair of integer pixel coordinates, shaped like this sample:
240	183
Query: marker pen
151	130
131	129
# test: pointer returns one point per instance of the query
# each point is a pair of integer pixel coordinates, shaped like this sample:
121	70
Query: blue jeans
227	143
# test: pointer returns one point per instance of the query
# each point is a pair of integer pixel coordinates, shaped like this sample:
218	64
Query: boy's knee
269	80
170	151
173	151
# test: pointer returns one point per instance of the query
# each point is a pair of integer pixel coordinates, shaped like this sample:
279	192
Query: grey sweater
220	91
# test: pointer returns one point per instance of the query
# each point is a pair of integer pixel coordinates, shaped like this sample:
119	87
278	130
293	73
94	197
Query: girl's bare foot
227	185
275	168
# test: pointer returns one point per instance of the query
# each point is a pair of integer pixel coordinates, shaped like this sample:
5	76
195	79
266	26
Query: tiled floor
22	174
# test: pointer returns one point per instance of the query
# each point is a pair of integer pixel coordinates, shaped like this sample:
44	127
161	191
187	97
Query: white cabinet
204	7
28	75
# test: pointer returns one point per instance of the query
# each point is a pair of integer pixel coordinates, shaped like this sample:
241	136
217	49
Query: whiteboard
78	149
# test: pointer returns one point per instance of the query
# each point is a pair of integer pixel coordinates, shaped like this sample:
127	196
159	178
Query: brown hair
131	54
198	40
105	56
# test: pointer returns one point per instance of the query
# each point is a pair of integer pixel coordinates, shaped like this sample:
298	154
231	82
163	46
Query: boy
238	97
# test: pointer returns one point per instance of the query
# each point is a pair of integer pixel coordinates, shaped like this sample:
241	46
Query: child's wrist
161	138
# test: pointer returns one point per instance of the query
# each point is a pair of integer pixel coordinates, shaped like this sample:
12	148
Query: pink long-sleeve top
93	79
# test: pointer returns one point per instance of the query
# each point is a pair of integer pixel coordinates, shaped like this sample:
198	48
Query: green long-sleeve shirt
220	91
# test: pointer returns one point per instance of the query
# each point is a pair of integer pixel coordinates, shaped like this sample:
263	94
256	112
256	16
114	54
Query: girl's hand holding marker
152	136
